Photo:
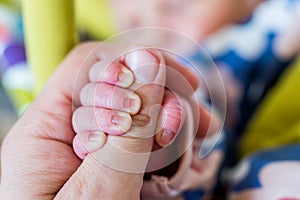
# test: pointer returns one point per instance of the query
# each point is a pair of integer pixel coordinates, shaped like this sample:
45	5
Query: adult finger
123	160
209	123
187	74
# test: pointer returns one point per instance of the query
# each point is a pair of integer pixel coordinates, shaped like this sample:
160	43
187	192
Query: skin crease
37	156
193	18
131	143
171	115
171	111
179	16
43	134
170	104
44	155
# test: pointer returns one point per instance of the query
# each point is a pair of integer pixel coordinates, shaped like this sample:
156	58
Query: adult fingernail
132	103
96	141
167	137
122	121
143	64
125	77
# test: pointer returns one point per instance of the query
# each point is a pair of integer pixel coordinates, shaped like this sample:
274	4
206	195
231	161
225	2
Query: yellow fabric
94	17
49	33
277	121
50	30
20	99
13	4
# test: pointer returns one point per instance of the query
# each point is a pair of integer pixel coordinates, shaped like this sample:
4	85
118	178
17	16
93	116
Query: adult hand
37	154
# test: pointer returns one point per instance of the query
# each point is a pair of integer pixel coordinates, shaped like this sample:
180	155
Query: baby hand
107	103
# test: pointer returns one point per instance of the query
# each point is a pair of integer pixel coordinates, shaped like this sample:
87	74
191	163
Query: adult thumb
116	170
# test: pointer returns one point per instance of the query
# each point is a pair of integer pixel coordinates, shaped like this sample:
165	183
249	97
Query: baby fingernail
125	77
122	121
167	136
96	141
132	103
80	148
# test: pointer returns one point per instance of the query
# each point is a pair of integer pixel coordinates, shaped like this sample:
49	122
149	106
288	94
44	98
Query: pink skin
171	119
102	101
109	121
109	96
196	19
114	73
116	153
171	116
41	141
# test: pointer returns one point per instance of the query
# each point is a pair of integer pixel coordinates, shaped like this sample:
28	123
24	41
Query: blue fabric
259	160
193	195
249	53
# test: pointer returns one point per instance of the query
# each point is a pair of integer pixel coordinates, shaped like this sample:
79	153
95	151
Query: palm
44	159
49	161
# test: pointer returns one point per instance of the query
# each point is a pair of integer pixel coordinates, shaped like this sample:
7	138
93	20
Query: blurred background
7	113
251	42
10	33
